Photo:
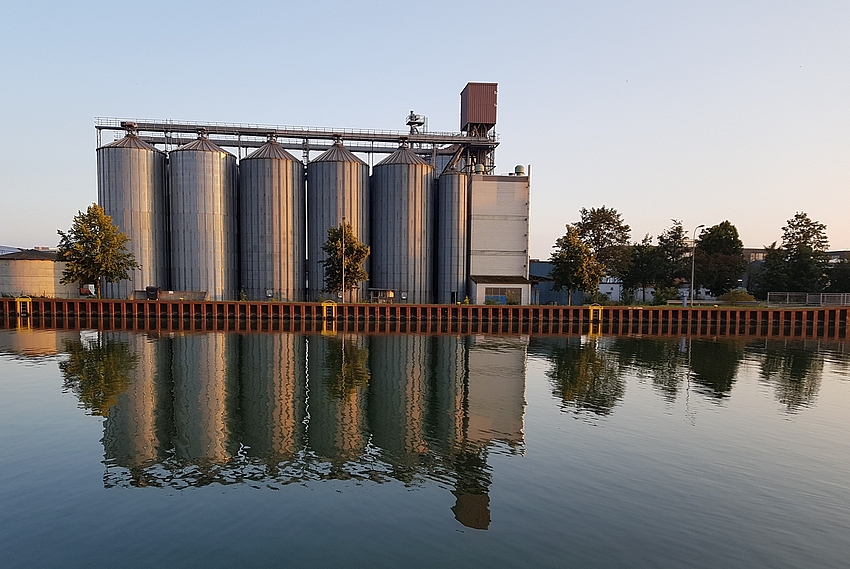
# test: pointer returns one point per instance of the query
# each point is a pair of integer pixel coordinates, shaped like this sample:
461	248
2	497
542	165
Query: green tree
772	275
94	250
719	258
607	236
575	267
643	267
673	251
839	277
806	243
342	243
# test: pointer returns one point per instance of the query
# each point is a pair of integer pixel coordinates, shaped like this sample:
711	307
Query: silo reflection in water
137	429
398	394
450	377
339	383
204	389
273	394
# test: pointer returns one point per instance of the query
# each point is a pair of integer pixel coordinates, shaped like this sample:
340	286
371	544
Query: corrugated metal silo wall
271	215
204	223
131	189
402	230
335	190
452	246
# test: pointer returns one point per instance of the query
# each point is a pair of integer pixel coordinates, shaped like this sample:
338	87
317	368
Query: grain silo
131	189
451	249
337	188
402	226
204	254
271	217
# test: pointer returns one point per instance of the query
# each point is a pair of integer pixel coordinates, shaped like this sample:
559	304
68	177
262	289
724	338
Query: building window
502	295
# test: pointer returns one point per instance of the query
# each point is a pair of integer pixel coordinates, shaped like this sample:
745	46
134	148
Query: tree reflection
714	364
586	376
347	365
97	372
793	370
662	361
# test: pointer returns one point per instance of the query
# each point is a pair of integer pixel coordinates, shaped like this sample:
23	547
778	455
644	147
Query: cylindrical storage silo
131	189
451	247
337	188
402	226
271	216
204	254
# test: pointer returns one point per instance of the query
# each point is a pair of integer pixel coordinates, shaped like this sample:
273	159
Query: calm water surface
124	449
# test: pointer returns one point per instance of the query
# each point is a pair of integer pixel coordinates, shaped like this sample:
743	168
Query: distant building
34	272
4	250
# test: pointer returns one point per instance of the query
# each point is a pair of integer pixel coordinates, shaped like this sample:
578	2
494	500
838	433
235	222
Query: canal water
221	449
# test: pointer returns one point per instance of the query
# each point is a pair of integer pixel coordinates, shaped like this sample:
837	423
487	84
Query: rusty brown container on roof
478	105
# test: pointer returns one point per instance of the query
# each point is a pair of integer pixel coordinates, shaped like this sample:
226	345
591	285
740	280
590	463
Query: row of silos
191	215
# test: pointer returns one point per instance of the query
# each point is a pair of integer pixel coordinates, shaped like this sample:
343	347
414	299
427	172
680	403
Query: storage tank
131	189
452	257
337	187
203	220
402	226
271	216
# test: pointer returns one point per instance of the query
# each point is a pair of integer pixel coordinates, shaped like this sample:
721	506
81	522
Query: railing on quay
829	322
807	299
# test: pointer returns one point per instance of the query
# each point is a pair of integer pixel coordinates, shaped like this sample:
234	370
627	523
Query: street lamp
693	260
342	238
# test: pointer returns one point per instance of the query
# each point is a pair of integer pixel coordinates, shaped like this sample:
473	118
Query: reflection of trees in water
586	376
714	364
662	361
338	391
97	372
793	369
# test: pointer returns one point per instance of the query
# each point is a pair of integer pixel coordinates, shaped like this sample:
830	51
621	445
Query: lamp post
693	260
342	239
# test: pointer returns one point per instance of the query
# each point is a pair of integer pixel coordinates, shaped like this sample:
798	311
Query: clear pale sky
699	111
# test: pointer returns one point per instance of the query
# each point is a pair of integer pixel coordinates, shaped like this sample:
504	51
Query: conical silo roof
201	144
403	155
338	153
271	150
130	141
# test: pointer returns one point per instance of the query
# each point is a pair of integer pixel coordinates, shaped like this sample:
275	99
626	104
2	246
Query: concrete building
34	273
498	255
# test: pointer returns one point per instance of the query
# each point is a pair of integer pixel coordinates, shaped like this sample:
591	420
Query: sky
697	111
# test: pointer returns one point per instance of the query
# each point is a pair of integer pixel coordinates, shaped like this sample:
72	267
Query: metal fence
806	299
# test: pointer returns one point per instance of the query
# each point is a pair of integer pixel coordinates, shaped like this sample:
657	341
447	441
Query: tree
719	258
607	236
644	266
800	264
772	276
839	277
575	267
673	252
806	243
342	243
94	250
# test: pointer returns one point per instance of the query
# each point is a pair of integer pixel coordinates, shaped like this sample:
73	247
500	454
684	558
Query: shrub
737	295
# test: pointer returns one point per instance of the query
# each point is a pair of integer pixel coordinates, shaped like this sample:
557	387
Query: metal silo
402	226
271	215
337	187
451	247
131	189
203	220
